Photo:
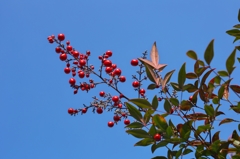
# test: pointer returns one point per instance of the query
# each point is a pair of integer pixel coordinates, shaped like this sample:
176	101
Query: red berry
69	48
107	63
115	99
179	127
142	91
68	65
75	111
122	78
157	137
102	93
109	53
121	96
75	91
72	81
117	71
67	70
82	62
61	37
110	124
114	66
75	54
100	57
68	42
120	105
81	74
171	111
88	53
126	122
58	49
134	62
116	118
63	57
108	69
50	39
135	84
70	110
99	110
190	98
84	110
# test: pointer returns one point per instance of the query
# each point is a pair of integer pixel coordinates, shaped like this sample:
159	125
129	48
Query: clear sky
35	93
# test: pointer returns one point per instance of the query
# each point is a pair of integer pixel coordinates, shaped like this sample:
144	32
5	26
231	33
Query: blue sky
35	93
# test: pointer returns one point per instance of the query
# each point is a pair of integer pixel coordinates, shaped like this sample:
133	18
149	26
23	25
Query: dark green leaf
238	127
192	54
151	86
138	133
179	152
215	136
134	112
215	100
209	52
144	142
209	110
221	91
234	32
167	106
215	146
230	62
239	15
182	76
160	122
140	102
235	135
201	63
223	73
175	86
169	132
160	144
150	74
202	128
152	131
187	151
186	130
238	59
159	157
191	75
155	102
237	26
185	105
135	125
205	77
174	101
200	70
167	78
147	116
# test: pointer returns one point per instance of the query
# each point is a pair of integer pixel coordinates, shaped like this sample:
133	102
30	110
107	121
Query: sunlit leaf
154	54
182	76
209	52
226	92
134	112
192	54
160	122
209	110
230	62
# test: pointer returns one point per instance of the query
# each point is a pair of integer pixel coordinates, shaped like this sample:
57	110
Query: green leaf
151	86
167	78
135	125
160	122
182	76
175	86
144	142
209	52
238	127
192	54
200	70
140	102
205	77
179	152
202	128
234	32
191	75
235	88
221	91
237	26
138	133
155	102
215	136
185	105
152	131
134	112
186	130
227	120
174	101
150	74
167	106
230	62
238	59
209	110
169	132
160	144
147	116
159	157
187	151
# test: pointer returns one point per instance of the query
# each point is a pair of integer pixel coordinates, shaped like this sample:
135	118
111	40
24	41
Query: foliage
199	115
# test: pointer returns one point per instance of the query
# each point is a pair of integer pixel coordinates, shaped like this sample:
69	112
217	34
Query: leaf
186	130
209	52
146	62
134	112
237	26
150	74
196	116
226	92
140	102
200	70
221	91
144	142
209	110
175	86
154	54
160	144
230	62
235	88
167	78
167	106
151	86
205	77
239	15
185	105
182	76
233	32
152	131
169	132
160	122
215	136
238	59
155	102
192	54
227	120
223	73
174	101
187	151
147	116
203	128
138	133
191	75
135	125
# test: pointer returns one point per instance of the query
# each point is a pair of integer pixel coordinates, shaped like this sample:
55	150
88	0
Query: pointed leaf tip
154	54
209	52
